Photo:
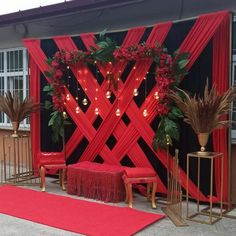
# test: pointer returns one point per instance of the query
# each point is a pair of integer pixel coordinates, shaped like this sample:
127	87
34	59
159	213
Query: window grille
14	78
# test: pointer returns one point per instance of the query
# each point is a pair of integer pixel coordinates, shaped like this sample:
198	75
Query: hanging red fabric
220	75
205	28
109	124
200	34
88	39
133	35
35	117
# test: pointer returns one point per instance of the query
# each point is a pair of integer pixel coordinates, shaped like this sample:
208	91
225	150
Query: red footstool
140	175
52	161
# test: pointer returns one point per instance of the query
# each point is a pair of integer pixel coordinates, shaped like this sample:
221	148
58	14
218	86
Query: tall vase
203	139
15	126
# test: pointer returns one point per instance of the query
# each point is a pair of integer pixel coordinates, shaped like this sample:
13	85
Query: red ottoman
97	181
52	161
140	175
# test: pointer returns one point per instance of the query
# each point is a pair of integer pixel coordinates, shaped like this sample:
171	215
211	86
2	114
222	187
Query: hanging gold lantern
156	95
68	97
85	102
96	111
145	113
108	94
135	92
64	114
77	110
117	112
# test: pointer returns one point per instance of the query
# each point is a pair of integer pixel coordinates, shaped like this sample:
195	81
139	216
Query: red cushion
137	172
51	158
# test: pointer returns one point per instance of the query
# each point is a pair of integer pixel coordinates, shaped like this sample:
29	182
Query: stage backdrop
127	139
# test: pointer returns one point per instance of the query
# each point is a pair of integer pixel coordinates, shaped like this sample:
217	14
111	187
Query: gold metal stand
174	193
213	217
17	161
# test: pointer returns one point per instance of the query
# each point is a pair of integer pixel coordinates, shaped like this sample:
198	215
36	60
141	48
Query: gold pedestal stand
17	161
208	212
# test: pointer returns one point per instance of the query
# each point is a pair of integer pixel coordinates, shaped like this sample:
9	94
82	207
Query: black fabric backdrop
194	82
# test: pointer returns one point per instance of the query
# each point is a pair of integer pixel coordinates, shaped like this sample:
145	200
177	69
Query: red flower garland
166	75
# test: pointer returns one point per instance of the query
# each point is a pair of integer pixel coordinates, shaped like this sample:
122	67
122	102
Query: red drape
88	39
35	117
207	27
125	97
200	34
220	76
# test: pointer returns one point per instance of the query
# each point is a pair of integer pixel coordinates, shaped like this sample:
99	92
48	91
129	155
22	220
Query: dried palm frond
204	114
16	109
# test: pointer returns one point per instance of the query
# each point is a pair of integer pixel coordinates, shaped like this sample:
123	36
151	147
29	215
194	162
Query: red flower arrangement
169	70
136	52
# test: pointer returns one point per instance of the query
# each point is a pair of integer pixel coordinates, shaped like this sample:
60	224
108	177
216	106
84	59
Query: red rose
67	57
58	56
162	62
162	109
55	64
58	73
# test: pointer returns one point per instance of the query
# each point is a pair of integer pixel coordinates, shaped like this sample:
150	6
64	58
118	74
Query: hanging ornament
108	94
145	112
135	92
168	140
96	111
77	110
156	95
117	112
68	97
85	101
64	114
145	95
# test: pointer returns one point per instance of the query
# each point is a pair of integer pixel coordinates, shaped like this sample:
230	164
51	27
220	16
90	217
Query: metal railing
16	166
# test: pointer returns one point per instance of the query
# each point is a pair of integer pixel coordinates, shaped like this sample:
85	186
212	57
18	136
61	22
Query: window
14	78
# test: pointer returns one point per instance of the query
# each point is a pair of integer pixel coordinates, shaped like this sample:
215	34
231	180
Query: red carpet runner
74	215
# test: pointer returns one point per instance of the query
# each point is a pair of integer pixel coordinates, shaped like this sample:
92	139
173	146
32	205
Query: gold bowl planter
15	126
203	139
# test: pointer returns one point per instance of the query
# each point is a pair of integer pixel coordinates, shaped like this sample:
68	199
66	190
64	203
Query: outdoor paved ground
11	226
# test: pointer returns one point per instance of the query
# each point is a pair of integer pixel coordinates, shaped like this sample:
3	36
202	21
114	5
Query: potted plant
204	114
17	110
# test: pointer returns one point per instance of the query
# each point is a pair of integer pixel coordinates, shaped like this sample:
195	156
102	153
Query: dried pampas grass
204	114
16	109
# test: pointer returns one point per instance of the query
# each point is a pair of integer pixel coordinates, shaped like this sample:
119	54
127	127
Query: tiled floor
11	226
